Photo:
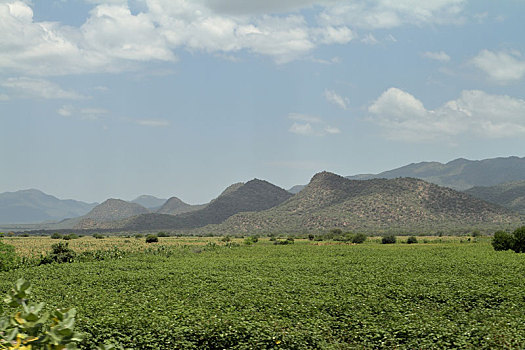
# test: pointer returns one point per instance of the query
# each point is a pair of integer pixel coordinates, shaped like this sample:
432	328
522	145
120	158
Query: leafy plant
519	240
56	235
359	238
30	329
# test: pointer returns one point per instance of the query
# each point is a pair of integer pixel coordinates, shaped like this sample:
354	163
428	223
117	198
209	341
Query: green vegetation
411	240
505	241
296	296
152	239
8	258
28	327
389	239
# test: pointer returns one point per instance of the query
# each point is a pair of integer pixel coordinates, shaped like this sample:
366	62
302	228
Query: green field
300	296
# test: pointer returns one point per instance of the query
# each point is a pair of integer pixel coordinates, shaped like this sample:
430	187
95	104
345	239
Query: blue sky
116	98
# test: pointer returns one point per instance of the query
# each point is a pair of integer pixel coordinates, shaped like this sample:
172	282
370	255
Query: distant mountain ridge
255	195
149	202
510	195
174	206
115	209
459	174
35	206
376	205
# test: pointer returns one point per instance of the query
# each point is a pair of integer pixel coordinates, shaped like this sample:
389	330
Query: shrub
8	257
226	239
60	253
502	241
519	240
359	238
336	231
388	239
311	237
411	240
163	234
28	328
152	239
98	236
138	236
56	236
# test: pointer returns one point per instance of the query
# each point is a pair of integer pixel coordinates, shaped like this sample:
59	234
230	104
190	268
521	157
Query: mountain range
376	205
34	206
368	201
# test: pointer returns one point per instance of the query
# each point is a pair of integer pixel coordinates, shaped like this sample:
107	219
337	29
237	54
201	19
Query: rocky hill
377	205
510	195
33	206
174	206
255	195
114	209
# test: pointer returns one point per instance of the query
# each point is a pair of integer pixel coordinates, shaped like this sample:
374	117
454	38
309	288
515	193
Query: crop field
448	294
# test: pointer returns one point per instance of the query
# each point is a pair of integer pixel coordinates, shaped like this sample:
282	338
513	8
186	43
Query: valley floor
307	295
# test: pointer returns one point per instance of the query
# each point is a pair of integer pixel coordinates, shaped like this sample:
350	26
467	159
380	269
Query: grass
337	296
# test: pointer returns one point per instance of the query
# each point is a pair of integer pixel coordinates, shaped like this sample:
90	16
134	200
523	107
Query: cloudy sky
116	98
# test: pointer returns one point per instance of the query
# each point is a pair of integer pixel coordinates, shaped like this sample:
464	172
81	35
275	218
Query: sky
118	98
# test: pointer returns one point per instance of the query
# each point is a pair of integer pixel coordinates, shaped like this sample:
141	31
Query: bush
163	234
411	240
226	239
359	238
98	236
60	253
29	328
8	257
502	241
336	231
388	239
56	236
152	239
251	240
519	240
311	237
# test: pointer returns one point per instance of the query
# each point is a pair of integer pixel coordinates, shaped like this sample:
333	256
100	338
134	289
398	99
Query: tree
502	241
388	239
519	240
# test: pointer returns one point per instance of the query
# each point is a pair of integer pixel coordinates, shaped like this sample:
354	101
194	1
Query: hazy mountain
150	202
33	206
510	195
112	210
459	174
377	205
174	206
296	189
255	195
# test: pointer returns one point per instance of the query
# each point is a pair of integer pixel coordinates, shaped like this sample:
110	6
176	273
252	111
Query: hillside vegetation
377	205
510	195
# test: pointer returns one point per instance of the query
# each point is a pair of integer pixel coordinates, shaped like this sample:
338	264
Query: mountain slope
149	202
174	206
510	195
377	205
254	195
33	206
459	174
114	209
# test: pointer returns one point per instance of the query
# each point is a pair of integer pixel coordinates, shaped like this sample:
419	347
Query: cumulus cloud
336	99
114	39
404	117
39	88
307	125
502	67
438	56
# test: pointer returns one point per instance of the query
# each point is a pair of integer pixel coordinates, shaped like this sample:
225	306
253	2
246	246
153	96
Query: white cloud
403	117
302	129
153	122
310	126
336	99
114	39
502	67
438	56
82	113
39	88
370	39
4	97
